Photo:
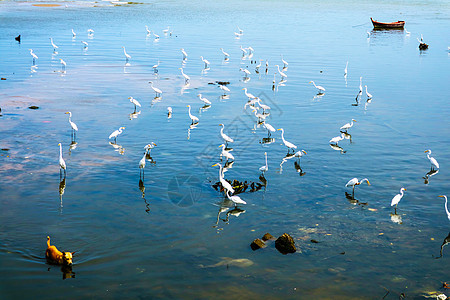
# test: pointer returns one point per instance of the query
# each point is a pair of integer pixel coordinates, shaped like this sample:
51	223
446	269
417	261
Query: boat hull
393	25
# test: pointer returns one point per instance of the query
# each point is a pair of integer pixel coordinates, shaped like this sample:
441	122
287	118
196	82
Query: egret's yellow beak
214	165
304	152
220	146
441	196
66	113
279	129
368	183
220	124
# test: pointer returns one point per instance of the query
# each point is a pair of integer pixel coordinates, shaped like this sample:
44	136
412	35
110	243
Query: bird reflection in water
72	146
226	206
62	187
429	174
236	212
444	243
156	100
142	189
396	218
267	140
351	198
337	148
204	108
285	159
228	165
118	148
185	87
134	115
298	168
191	127
347	136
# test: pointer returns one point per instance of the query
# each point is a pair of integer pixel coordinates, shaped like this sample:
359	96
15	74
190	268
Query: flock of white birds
254	103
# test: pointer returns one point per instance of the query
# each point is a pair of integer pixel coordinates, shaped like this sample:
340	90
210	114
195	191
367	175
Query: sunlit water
132	242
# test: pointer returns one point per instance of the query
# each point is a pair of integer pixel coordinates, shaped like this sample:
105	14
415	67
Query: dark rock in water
5	149
314	241
211	83
268	237
257	244
285	244
223	82
17	38
3	78
33	107
423	46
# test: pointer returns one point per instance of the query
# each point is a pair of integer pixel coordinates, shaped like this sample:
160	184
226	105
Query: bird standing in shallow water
127	56
194	119
116	133
157	91
72	124
225	137
397	199
354	182
347	126
264	168
135	102
319	87
62	163
289	145
433	161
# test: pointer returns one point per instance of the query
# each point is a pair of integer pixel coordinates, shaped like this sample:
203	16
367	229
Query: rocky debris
268	237
33	107
3	78
285	244
223	82
314	241
257	244
240	186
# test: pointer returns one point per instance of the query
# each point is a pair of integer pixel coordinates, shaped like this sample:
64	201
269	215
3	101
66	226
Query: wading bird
225	184
354	182
155	67
337	139
286	143
226	153
85	44
264	168
53	45
194	119
224	89
369	95
72	124
169	112
127	56
345	70
135	102
281	73
319	87
397	198
33	55
345	127
225	137
433	161
184	54
206	101
186	78
299	154
269	128
285	63
236	199
225	53
73	33
157	91
116	133
206	62
63	64
62	163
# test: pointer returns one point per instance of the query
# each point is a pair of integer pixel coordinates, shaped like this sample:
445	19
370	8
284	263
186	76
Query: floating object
17	38
392	25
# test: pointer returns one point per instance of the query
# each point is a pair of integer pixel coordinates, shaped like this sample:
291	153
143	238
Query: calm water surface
150	239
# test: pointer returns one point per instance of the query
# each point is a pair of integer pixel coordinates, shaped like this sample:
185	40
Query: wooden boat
393	25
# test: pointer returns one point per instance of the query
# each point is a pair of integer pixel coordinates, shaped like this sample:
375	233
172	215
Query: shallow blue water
134	244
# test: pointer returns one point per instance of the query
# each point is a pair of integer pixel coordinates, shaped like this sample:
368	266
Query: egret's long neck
220	173
351	124
120	130
401	192
266	160
190	112
221	130
446	209
428	154
60	151
282	135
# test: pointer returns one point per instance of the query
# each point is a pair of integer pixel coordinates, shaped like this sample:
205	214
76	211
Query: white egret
155	67
193	118
354	182
127	56
90	31
433	161
348	125
148	30
445	205
142	164
186	78
224	88
116	133
337	139
250	96
300	153
156	90
369	96
184	54
397	198
205	61
53	45
263	106
225	184
33	55
206	101
236	199
284	62
169	112
148	148
155	35
73	33
135	102
286	143
85	44
240	30
269	128
267	63
225	53
225	137
368	34
345	70
72	124
319	87
237	35
250	50
264	168
407	32
360	85
258	65
260	116
226	153
246	72
62	163
63	64
244	52
281	73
